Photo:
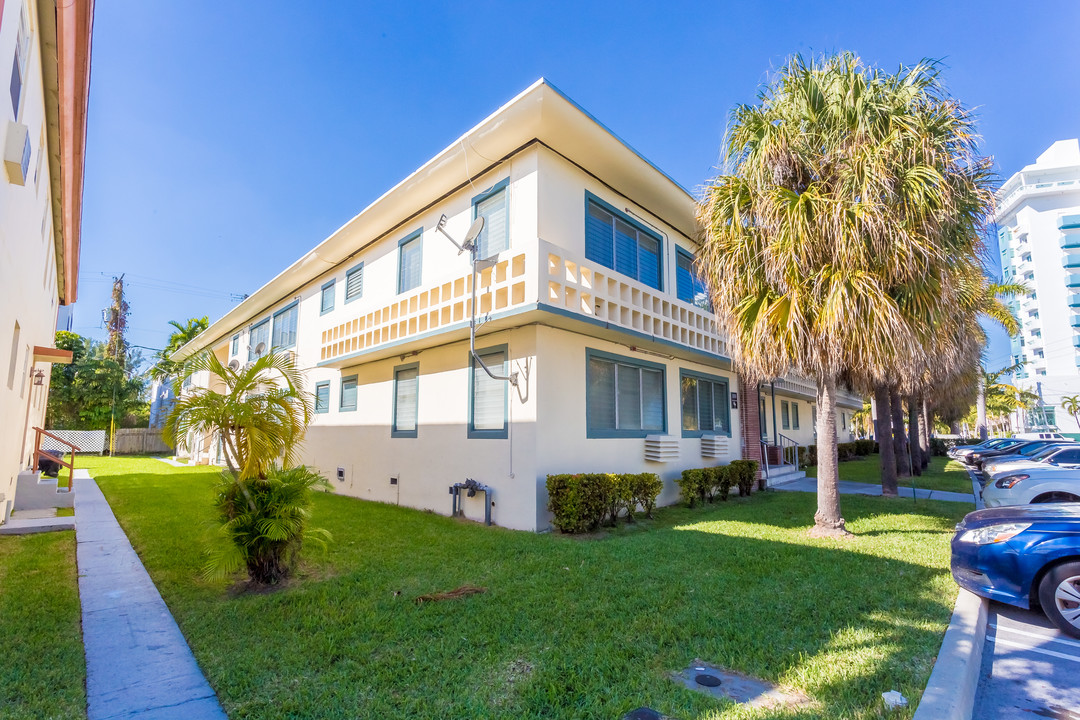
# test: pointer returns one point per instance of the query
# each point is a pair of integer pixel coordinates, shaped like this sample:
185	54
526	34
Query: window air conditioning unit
16	152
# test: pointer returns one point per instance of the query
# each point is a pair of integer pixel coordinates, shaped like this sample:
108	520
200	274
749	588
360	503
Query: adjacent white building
45	58
1038	218
588	299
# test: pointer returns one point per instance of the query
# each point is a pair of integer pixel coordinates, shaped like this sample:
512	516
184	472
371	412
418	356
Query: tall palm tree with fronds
834	228
1071	405
164	368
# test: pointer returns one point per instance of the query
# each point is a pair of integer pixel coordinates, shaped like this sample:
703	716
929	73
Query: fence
88	441
139	441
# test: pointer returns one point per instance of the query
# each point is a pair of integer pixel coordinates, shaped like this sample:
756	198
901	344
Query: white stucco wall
28	289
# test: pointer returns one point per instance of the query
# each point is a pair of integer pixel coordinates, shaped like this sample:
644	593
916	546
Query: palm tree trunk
883	433
827	520
903	465
924	431
980	407
913	431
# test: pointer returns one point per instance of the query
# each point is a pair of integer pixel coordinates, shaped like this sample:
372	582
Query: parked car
960	452
1025	556
1031	457
1046	483
979	457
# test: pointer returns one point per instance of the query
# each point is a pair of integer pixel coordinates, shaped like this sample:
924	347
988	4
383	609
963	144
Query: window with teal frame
617	241
785	415
706	404
326	301
259	335
795	415
285	327
354	283
625	396
410	252
488	397
235	349
322	397
688	286
348	394
492	205
406	400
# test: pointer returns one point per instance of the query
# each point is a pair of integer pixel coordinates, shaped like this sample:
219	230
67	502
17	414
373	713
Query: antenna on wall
469	245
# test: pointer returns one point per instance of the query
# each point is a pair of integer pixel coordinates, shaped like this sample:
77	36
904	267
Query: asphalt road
1029	668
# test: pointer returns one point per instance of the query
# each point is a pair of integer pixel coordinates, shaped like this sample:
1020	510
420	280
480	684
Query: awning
52	355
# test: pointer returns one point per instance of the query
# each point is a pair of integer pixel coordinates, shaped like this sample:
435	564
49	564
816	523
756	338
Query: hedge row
942	447
581	502
707	484
844	451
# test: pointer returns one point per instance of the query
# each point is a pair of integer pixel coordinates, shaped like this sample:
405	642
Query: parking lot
1029	668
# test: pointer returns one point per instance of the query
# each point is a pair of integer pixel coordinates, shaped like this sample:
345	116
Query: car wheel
1059	596
1056	497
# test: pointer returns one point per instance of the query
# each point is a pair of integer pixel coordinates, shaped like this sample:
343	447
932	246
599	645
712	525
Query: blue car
1023	555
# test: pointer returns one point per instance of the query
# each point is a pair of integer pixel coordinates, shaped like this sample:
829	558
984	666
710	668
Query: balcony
1071	262
1076	341
1072	281
1076	321
551	281
1070	241
1070	222
1074	301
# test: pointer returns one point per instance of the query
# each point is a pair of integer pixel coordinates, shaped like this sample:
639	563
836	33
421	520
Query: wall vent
714	446
661	448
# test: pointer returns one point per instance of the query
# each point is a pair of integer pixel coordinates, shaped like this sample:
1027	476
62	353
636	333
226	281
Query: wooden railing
38	433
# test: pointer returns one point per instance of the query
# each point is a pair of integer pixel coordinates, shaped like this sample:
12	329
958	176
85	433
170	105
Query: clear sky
227	139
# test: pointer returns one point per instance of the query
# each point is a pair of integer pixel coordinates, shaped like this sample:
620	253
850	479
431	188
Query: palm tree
835	228
1071	405
164	368
260	412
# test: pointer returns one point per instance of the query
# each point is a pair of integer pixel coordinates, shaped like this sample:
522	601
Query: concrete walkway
854	488
138	665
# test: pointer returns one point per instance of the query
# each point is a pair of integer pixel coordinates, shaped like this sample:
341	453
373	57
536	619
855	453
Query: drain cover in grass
719	682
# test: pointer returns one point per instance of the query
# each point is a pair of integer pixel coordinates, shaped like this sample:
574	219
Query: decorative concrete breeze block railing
450	303
581	286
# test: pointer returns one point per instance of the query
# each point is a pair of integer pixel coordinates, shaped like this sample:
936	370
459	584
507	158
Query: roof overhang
66	32
52	355
540	113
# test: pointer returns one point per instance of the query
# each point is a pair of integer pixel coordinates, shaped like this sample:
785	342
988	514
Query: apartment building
46	45
1038	218
585	296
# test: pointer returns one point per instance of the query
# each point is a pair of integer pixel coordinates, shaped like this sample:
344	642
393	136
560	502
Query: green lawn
42	670
943	474
569	628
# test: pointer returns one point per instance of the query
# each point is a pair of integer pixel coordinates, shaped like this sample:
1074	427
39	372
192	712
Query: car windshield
1046	451
1063	456
1033	450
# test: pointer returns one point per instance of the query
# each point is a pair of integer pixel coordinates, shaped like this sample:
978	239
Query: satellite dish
474	230
260	348
234	365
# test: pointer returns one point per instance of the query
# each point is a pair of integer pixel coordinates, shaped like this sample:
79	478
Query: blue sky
226	139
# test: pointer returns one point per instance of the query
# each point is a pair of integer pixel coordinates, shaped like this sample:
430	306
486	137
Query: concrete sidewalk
854	488
138	665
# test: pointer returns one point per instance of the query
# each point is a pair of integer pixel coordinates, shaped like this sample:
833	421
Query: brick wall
750	423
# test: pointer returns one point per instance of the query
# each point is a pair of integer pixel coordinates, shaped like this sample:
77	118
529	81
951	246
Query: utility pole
116	317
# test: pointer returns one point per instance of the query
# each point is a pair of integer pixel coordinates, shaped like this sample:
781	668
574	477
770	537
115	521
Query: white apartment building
588	298
45	46
1038	218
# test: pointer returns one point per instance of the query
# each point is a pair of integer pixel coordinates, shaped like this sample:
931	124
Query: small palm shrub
265	521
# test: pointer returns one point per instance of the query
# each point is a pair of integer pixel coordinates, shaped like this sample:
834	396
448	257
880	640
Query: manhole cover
707	680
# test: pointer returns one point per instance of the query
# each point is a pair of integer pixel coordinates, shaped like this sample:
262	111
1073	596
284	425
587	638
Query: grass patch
42	670
568	628
65	512
943	474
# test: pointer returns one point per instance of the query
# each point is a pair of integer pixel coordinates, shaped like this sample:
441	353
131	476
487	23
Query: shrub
618	496
744	474
693	485
865	447
578	502
644	489
720	481
265	521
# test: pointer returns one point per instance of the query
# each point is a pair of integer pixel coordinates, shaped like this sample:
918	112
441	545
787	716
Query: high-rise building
1038	218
